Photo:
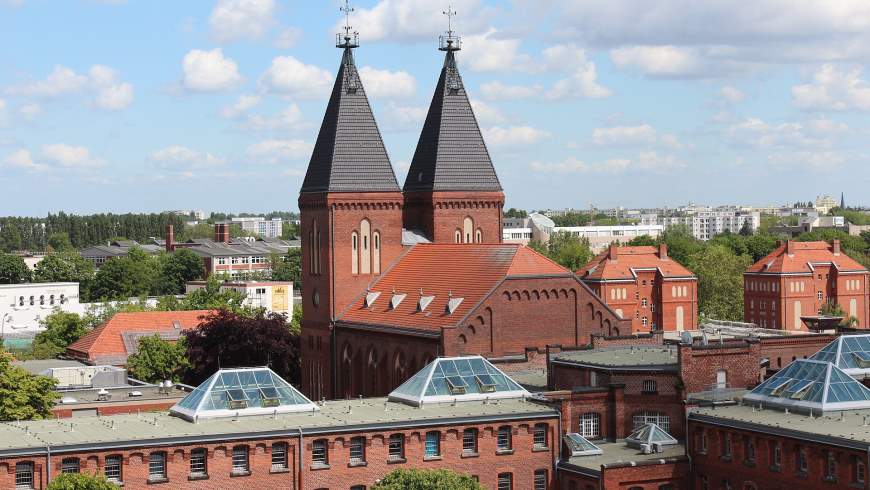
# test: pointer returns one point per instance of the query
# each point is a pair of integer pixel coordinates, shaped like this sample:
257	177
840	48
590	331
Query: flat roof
638	357
118	394
845	428
618	454
38	366
156	429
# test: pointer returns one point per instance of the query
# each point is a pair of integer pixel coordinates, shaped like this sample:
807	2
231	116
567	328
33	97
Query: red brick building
646	286
798	278
393	277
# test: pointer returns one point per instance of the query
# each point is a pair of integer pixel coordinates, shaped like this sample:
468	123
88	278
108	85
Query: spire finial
450	42
348	40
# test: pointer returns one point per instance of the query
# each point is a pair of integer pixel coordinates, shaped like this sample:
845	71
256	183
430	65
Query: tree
229	339
126	277
13	270
60	330
568	250
681	243
157	360
180	266
516	213
288	267
10	237
64	267
720	281
440	479
296	319
746	229
80	481
24	396
59	242
212	297
643	240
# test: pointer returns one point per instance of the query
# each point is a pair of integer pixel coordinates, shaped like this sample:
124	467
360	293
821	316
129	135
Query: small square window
319	454
279	456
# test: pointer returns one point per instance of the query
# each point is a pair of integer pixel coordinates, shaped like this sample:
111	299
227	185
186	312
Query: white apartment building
260	226
705	224
540	227
23	306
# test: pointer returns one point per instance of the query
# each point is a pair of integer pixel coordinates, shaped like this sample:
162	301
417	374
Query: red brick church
395	276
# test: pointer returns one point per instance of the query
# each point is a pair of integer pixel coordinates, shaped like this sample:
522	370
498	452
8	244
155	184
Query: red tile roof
631	258
804	253
445	271
106	341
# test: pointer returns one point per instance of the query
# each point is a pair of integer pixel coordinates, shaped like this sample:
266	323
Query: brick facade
441	215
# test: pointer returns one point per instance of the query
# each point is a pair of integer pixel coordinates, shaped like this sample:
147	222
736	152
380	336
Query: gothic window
365	230
478	236
467	227
376	252
354	259
458	237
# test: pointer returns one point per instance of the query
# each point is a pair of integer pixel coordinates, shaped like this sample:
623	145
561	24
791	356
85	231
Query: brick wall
440	214
699	365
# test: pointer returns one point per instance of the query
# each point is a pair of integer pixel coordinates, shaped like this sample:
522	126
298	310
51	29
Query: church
395	276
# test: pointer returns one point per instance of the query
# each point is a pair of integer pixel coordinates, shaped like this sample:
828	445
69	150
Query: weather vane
449	13
450	42
348	40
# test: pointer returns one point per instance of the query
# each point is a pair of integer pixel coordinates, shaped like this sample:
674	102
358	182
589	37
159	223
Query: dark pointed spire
451	154
349	155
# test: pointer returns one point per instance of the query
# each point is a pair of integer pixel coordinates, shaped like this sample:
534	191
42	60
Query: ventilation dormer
424	302
371	297
453	304
396	300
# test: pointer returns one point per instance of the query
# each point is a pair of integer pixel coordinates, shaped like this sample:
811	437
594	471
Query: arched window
458	236
354	259
365	259
640	419
590	425
376	252
478	236
467	227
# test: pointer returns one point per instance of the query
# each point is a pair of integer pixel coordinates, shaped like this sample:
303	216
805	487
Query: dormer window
456	385
396	300
485	382
453	304
371	297
424	302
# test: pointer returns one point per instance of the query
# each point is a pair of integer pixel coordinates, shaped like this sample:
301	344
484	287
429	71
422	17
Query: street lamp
3	327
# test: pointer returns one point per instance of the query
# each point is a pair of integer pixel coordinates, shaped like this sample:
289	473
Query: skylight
580	446
649	434
250	391
457	378
812	385
851	353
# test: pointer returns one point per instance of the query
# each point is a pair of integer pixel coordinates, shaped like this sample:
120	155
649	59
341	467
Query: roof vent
424	302
67	400
396	300
371	297
453	304
135	393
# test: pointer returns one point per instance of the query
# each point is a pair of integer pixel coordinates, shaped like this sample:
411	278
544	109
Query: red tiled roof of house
447	272
602	267
804	254
107	340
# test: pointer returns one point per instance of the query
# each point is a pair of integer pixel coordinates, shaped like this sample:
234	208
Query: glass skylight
814	385
251	391
649	434
580	446
457	378
851	353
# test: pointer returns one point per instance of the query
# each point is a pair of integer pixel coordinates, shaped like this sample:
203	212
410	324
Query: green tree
212	297
10	237
64	267
296	319
516	213
720	281
568	250
13	270
746	229
126	277
572	219
180	266
643	240
288	267
681	243
60	330
80	481
158	360
415	479
59	242
24	396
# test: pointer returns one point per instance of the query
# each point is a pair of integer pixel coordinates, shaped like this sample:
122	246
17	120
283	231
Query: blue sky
114	105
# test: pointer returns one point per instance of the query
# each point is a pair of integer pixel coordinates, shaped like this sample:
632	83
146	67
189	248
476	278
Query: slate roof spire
451	154
349	154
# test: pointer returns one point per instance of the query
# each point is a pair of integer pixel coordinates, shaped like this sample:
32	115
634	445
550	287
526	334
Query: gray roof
349	155
451	154
39	366
618	454
639	357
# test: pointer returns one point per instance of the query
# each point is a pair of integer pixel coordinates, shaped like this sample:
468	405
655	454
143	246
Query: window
397	447
433	444
24	475
726	484
112	469
458	237
157	466
469	441
820	295
540	436
705	485
358	487
860	474
240	460
830	465
643	303
540	479
775	455
801	460
749	450
505	481
279	456
478	236
590	425
354	257
376	252
648	417
650	386
358	450
504	438
198	463
726	446
319	455
703	441
69	465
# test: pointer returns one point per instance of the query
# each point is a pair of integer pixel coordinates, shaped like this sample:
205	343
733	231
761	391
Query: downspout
868	466
301	453
558	442
47	464
333	375
688	454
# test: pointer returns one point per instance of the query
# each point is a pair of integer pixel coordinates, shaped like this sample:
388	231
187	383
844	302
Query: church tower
452	193
351	217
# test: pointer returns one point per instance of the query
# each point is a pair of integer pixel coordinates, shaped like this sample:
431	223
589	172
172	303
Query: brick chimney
222	233
789	247
613	252
663	251
835	245
170	238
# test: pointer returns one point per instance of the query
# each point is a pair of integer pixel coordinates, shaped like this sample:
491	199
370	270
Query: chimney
663	251
221	233
170	238
836	246
613	253
789	247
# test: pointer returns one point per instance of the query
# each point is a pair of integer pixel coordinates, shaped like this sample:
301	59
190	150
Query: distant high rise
842	201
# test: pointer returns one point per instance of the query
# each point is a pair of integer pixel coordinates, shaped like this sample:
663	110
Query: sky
150	105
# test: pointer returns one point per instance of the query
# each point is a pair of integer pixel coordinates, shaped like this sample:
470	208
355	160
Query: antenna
450	42
348	40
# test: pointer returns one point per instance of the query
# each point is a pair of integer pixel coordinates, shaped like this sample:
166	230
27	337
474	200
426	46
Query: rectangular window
240	459
505	481
358	450
504	438
801	462
541	480
541	435
860	472
650	386
70	465
112	469
157	466
433	444
776	455
703	441
830	466
198	462
469	441
319	454
279	456
749	450
24	475
397	447
726	445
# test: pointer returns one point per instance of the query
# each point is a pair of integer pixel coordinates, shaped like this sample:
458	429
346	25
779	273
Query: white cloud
112	94
415	20
833	89
182	157
731	95
648	161
61	81
288	75
287	38
288	119
387	84
816	160
70	156
658	61
757	133
244	103
241	19
21	158
487	114
30	111
209	71
513	135
109	91
624	135
581	83
500	91
403	118
487	52
275	151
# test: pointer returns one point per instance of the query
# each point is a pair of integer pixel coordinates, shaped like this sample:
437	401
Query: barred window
397	446
505	481
541	480
319	453
650	386
24	475
801	462
433	443
198	462
70	465
279	456
112	469
590	425
648	417
358	450
469	441
240	459
157	466
504	438
541	435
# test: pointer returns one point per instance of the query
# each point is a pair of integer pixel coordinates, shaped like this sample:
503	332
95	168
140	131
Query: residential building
824	204
274	296
540	227
645	286
260	226
24	306
704	224
99	254
793	283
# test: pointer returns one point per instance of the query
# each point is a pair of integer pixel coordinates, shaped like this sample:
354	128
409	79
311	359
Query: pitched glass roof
248	391
580	446
649	434
851	353
457	378
812	384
